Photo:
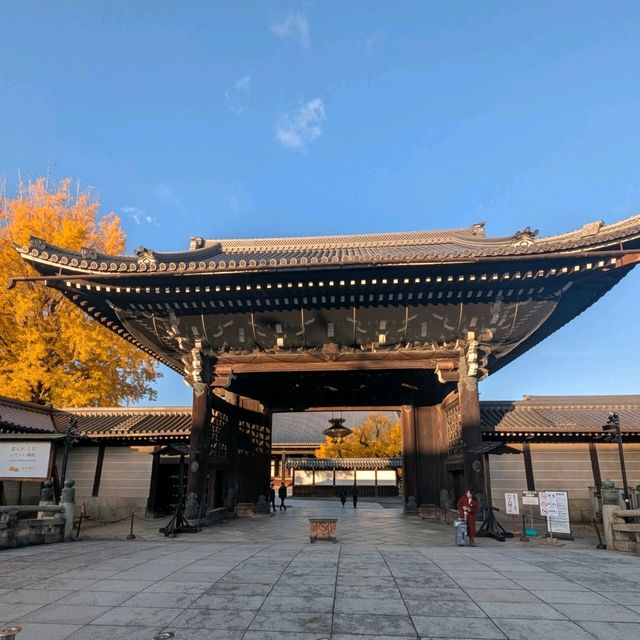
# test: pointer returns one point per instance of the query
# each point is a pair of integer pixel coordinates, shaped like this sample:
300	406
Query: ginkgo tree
376	437
51	352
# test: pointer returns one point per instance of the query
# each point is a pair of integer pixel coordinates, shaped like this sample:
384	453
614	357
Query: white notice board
511	504
560	523
530	498
25	460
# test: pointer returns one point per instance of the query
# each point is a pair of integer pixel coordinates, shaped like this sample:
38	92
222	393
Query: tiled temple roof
137	422
560	414
389	248
344	463
535	416
16	416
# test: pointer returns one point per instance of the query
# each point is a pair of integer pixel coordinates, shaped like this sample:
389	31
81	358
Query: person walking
343	497
354	494
272	497
282	494
467	509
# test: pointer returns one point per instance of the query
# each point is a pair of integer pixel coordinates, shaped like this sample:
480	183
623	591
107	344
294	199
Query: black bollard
131	536
9	633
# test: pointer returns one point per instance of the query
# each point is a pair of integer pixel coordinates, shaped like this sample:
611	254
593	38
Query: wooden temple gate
232	442
411	320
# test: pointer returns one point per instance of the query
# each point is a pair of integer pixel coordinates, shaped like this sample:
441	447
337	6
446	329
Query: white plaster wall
81	467
563	467
126	472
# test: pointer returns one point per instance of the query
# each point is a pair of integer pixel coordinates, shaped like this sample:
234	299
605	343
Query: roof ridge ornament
591	228
37	243
145	256
524	238
89	253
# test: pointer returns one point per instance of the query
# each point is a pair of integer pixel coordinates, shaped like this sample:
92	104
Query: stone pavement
260	579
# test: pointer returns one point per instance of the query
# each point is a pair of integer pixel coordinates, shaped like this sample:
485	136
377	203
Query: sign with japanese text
548	504
560	523
25	460
511	504
530	497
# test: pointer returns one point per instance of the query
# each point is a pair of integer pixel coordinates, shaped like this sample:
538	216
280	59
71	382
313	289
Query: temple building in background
120	458
408	322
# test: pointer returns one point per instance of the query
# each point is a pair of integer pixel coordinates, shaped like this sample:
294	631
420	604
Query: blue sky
235	119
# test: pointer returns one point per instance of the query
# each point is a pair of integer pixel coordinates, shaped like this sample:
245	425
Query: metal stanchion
9	633
131	536
79	525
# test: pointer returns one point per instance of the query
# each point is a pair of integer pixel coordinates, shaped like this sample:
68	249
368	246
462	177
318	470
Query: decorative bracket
197	368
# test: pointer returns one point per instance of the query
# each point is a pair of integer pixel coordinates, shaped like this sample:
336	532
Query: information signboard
560	523
25	460
512	506
530	498
548	504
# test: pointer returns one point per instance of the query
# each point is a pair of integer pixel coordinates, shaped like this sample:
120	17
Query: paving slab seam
272	586
399	590
335	591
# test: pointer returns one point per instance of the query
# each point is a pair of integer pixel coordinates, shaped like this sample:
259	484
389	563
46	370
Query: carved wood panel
453	423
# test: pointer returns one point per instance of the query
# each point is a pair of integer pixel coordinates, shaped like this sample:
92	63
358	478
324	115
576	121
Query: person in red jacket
467	508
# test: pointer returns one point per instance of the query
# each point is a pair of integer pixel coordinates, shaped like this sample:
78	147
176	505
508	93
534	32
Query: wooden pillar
528	467
283	468
430	445
153	485
200	441
409	453
595	467
98	473
471	429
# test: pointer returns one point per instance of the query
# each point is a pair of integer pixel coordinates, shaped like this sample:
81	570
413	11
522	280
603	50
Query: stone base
410	506
245	509
432	512
26	532
214	516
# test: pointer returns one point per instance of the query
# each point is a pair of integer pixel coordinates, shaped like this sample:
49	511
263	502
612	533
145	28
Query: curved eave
271	254
132	437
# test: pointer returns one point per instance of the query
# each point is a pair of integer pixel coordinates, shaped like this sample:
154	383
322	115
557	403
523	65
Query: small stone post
47	498
67	500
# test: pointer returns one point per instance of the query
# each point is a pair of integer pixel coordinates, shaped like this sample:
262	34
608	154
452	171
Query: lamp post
613	429
68	441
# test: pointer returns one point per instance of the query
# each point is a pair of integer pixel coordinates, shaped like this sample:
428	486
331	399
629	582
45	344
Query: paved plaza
259	579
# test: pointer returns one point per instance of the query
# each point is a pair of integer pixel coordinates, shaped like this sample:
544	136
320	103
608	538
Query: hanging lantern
337	431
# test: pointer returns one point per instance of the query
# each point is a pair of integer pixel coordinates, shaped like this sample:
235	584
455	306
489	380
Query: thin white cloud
294	27
138	215
296	129
244	84
165	194
237	96
370	44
